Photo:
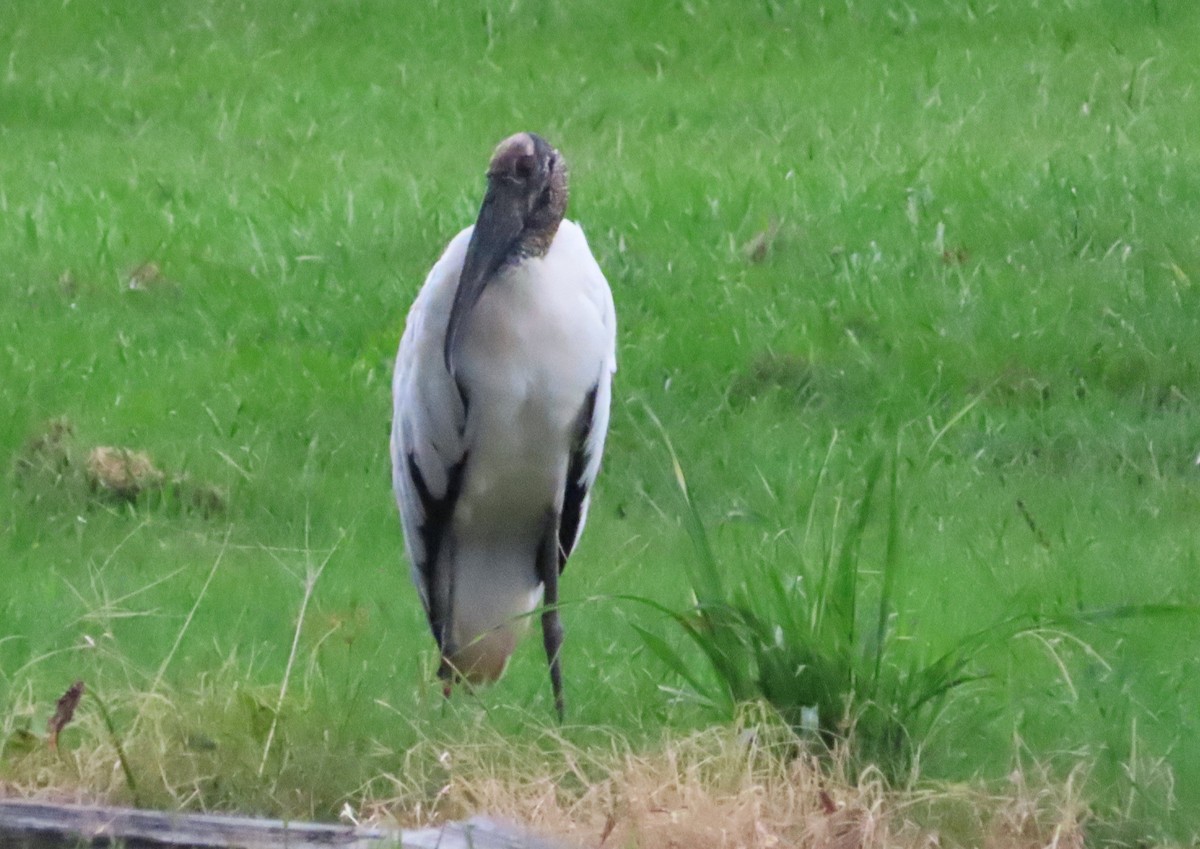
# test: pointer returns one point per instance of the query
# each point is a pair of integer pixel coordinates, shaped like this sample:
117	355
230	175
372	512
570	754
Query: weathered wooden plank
44	825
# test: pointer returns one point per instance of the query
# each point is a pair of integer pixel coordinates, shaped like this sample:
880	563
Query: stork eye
524	167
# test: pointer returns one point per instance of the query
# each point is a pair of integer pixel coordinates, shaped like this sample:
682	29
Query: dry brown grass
720	789
754	787
122	473
54	463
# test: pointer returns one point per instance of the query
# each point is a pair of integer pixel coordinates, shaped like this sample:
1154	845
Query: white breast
537	344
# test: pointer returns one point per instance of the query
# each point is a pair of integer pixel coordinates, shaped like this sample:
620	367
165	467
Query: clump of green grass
797	636
823	642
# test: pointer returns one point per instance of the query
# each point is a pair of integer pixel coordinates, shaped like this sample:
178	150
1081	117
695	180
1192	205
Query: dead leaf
122	472
610	822
760	244
64	712
145	277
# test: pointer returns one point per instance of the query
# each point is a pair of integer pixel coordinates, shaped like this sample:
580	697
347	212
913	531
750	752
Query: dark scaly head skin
524	204
528	167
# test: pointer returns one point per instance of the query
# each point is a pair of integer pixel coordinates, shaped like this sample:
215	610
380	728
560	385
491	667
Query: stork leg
552	633
441	617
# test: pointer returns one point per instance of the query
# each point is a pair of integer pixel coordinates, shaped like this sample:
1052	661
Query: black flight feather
577	488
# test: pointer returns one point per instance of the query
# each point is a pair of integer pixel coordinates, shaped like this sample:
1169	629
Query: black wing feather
438	513
577	488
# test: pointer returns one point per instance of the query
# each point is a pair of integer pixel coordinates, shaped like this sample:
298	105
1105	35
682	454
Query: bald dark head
525	202
526	169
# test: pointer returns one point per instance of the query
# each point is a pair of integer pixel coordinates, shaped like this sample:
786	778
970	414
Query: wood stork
501	400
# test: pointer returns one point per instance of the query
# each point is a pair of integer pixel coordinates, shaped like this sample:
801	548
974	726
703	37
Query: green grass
982	249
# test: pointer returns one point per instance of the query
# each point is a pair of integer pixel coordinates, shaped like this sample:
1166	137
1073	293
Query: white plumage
501	399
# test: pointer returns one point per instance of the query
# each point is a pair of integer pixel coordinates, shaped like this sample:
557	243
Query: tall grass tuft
824	643
821	642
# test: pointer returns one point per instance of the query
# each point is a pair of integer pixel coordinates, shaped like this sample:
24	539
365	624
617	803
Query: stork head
529	177
524	204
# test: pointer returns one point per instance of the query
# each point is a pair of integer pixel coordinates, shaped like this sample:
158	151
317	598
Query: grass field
964	234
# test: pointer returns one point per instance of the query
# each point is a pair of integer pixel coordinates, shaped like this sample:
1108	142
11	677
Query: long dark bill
497	231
